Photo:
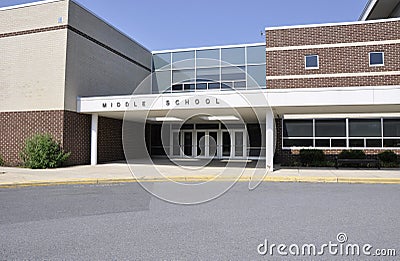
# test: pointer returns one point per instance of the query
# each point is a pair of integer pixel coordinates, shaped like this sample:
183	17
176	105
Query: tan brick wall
33	16
364	32
32	71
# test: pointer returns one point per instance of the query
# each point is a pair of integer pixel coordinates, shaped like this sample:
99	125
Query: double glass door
210	144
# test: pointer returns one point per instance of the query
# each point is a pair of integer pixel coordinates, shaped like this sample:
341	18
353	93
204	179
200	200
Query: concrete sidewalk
120	172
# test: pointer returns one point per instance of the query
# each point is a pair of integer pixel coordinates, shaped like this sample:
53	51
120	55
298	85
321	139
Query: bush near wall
389	159
1	161
42	152
312	158
352	154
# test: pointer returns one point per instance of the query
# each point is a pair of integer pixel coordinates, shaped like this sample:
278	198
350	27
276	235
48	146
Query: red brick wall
76	137
335	60
70	129
110	146
16	127
334	34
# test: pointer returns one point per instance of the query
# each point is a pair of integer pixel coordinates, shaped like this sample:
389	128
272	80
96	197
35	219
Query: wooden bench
376	162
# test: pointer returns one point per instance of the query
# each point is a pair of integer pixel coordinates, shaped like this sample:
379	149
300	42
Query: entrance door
234	144
226	144
187	143
213	144
239	144
206	143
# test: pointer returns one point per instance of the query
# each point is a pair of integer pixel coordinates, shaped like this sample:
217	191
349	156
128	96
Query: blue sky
175	24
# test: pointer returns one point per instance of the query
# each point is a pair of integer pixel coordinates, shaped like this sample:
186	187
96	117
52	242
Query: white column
269	140
93	152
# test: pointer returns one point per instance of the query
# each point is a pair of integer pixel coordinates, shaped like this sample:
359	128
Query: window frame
376	65
314	138
305	62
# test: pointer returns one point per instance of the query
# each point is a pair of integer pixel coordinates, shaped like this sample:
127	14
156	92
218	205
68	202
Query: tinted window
298	143
160	61
233	74
183	59
182	75
161	81
312	61
208	58
376	58
391	128
234	56
330	128
208	74
365	128
298	128
256	54
256	75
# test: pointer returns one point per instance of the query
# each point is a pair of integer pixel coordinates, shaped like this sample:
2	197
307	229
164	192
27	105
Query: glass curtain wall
224	68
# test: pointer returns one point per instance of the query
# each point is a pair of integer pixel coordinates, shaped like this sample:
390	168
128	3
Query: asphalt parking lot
122	221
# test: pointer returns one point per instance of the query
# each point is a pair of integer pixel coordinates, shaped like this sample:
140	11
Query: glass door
226	144
239	144
201	144
213	144
187	143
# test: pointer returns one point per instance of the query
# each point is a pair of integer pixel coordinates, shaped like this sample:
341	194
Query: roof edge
368	10
331	24
29	4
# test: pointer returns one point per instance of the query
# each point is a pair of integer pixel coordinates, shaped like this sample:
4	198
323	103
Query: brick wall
110	146
365	32
285	63
70	129
16	127
76	137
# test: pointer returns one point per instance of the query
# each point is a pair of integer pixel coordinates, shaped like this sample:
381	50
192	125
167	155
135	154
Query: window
256	75
376	59
183	59
297	128
391	128
162	61
342	133
207	58
235	56
330	128
365	128
256	55
312	61
182	75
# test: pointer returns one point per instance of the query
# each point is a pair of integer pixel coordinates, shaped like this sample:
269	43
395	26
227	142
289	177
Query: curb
293	179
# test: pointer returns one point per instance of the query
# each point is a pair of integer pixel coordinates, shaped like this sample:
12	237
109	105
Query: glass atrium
240	67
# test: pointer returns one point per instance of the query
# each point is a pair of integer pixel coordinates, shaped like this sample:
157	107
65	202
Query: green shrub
388	156
352	154
1	161
312	158
388	159
42	152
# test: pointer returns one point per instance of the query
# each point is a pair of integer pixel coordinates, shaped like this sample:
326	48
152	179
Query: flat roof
331	24
209	48
28	4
